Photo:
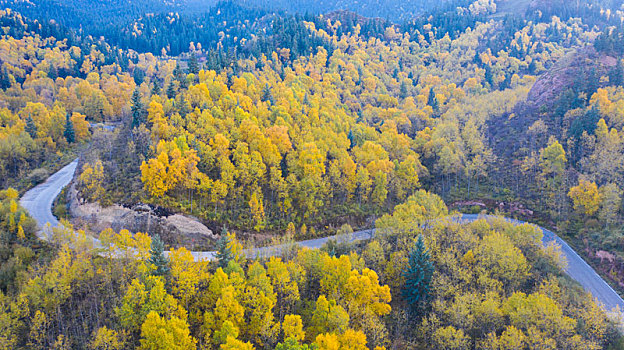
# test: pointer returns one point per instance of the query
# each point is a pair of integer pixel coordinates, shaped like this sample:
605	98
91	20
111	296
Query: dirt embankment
176	230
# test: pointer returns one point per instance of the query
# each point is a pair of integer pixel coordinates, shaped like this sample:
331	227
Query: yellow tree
257	209
284	284
586	197
158	333
293	327
91	181
175	163
81	127
327	317
105	339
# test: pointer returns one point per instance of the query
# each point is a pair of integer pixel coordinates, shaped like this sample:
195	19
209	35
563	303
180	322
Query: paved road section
38	201
576	267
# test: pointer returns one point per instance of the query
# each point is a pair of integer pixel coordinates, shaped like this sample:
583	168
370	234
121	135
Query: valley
311	175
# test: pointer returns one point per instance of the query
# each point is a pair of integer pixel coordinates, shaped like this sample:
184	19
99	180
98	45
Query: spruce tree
156	88
179	75
158	258
266	94
224	252
616	75
139	76
31	128
489	76
171	92
403	90
433	101
5	81
352	142
69	133
137	108
417	275
193	66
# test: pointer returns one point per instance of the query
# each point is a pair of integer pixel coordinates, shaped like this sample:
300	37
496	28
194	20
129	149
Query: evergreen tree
506	83
532	67
53	73
69	133
183	106
171	92
489	76
433	101
139	76
158	258
266	94
193	66
417	276
155	88
352	142
403	90
138	110
31	128
179	75
224	252
616	75
5	81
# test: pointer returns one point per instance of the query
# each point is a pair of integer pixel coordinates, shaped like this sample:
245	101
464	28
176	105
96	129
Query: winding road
38	201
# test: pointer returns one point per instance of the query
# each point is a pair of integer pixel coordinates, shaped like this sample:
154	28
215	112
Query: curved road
38	201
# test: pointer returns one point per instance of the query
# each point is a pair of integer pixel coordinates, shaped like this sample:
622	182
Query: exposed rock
515	208
549	85
176	230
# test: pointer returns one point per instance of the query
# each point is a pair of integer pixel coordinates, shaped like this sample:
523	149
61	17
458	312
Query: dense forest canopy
87	14
269	122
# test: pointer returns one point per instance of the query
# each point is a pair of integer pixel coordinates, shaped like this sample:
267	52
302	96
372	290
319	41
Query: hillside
239	125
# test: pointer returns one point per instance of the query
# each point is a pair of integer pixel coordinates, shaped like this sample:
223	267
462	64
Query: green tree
266	94
158	258
155	88
31	128
69	133
418	274
137	108
139	76
433	101
171	90
193	65
224	251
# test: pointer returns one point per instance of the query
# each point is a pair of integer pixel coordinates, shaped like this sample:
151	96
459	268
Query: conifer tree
266	94
403	91
171	92
489	76
417	276
156	88
193	66
224	251
69	133
31	128
179	75
158	258
138	110
433	101
139	76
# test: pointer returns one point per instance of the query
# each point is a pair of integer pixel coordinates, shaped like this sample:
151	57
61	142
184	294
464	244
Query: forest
269	126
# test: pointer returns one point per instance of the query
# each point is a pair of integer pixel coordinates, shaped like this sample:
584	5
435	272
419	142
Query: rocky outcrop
176	230
566	74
